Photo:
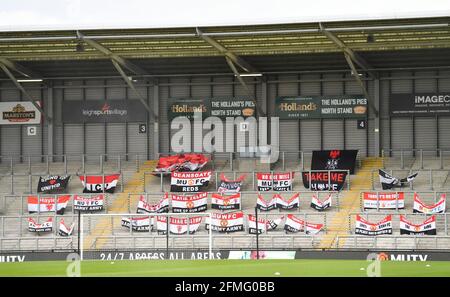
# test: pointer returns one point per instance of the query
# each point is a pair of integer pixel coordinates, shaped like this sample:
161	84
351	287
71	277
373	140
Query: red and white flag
420	207
178	225
365	227
99	183
190	203
64	230
88	203
320	205
226	222
33	226
383	200
263	225
294	224
281	181
138	224
56	203
161	206
226	202
428	227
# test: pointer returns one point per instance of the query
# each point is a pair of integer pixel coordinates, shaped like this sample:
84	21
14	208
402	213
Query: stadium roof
378	44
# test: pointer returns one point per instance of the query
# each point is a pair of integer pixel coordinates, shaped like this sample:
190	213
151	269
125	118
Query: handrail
253	173
351	241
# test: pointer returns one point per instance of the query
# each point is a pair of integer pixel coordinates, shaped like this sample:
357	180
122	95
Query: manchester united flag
365	227
178	225
226	202
226	223
428	227
189	181
190	203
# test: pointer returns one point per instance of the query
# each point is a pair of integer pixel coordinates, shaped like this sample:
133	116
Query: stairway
350	202
102	227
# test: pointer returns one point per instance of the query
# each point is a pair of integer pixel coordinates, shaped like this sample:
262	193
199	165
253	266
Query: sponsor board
267	255
19	113
419	104
221	107
201	254
343	106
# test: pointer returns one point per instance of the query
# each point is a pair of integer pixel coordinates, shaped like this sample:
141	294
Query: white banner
226	202
364	227
139	224
320	205
161	206
294	224
420	207
36	227
189	181
383	200
92	203
64	230
178	225
19	113
428	227
191	203
227	222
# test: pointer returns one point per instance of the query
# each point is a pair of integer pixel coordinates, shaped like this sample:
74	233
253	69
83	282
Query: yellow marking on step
120	205
350	203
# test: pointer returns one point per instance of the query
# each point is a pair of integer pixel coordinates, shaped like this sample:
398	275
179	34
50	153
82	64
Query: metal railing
14	179
17	226
201	241
251	196
10	201
402	242
82	163
215	178
416	154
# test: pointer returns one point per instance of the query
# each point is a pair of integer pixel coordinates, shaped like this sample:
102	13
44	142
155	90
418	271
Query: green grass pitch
244	268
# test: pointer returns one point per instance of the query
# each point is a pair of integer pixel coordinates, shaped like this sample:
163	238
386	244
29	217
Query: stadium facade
100	102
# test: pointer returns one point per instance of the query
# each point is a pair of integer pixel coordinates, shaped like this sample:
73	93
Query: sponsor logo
105	110
432	99
19	114
298	107
402	257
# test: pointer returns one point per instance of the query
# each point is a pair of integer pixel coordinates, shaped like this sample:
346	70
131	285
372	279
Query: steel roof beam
246	88
107	52
25	93
361	84
235	33
133	87
354	56
227	53
20	68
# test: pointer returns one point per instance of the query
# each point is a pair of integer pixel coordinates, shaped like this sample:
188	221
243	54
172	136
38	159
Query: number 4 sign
361	124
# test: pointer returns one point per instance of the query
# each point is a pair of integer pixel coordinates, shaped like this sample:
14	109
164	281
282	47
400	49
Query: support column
377	132
50	125
156	121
